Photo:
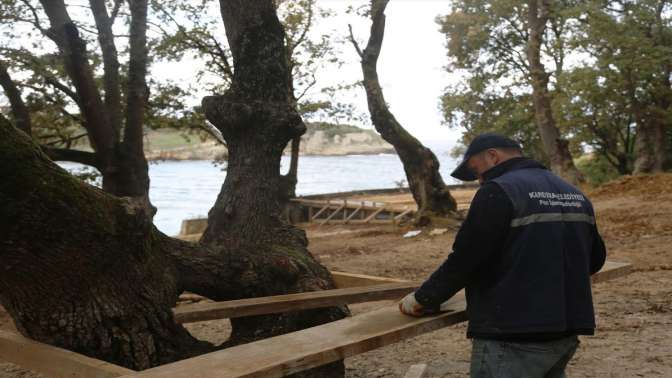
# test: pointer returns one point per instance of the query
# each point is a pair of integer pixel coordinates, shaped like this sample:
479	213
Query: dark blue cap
479	144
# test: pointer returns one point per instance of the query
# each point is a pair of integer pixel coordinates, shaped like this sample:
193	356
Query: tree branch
305	90
73	52
19	110
115	11
60	139
112	82
36	18
354	42
75	156
63	88
375	43
304	32
137	93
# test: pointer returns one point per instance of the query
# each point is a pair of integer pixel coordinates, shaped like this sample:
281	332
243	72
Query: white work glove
410	306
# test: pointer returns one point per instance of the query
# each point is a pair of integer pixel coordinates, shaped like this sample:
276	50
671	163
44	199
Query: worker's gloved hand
410	306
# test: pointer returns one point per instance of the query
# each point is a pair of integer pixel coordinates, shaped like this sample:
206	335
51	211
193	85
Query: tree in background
420	164
501	46
539	15
596	113
611	99
631	43
110	107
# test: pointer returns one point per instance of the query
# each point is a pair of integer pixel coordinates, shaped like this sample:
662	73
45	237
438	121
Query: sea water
188	189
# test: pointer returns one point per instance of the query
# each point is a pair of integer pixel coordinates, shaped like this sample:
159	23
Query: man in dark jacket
524	255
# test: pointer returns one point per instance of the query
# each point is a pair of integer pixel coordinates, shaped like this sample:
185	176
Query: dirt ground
634	313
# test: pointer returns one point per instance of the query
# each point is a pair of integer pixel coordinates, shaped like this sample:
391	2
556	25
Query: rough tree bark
87	271
19	109
555	146
82	269
257	117
121	162
650	147
420	164
652	124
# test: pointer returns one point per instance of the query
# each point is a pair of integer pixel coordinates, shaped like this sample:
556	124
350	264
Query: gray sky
410	67
411	64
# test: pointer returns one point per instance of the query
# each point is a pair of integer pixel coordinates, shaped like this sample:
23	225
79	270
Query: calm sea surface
188	189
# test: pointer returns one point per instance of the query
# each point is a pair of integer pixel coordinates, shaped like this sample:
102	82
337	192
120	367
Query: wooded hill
319	139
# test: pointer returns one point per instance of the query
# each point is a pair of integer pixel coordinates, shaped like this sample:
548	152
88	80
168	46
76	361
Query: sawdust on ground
634	313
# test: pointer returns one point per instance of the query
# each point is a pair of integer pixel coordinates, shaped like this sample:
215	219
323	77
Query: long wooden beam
332	214
302	350
321	211
343	280
291	302
352	215
373	215
52	361
312	347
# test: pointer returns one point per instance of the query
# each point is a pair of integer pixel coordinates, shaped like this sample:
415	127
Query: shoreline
199	158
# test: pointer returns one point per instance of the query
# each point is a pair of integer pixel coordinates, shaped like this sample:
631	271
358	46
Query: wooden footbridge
277	356
379	206
344	211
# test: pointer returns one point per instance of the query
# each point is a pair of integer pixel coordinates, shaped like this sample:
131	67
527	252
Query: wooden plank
416	371
344	280
346	220
611	270
298	351
345	210
350	204
402	214
52	361
294	352
358	221
291	302
332	215
370	217
321	211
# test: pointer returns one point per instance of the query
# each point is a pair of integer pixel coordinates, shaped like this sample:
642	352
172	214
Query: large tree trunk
257	116
653	125
555	146
87	271
420	164
650	147
84	270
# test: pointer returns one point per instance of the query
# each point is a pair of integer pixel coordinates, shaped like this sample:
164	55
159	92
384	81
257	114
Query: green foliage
48	92
192	30
487	42
609	63
330	130
596	169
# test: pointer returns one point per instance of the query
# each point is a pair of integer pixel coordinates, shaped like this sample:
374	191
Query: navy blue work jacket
524	255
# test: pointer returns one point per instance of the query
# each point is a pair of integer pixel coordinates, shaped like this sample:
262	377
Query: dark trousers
504	359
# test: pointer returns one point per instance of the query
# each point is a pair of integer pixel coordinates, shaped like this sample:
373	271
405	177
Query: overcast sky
411	64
